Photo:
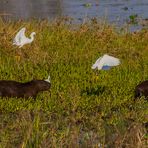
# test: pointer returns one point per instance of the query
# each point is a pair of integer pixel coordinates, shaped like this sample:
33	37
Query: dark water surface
113	10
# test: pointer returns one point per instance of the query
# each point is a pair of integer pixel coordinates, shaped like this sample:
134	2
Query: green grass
85	107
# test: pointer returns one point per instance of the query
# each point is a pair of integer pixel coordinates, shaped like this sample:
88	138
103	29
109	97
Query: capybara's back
22	90
9	88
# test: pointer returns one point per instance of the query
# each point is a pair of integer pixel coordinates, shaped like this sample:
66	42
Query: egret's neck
32	37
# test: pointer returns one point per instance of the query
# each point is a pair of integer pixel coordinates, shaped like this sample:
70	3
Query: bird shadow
98	90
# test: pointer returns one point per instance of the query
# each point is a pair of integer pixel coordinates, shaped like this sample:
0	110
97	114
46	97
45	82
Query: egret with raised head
20	38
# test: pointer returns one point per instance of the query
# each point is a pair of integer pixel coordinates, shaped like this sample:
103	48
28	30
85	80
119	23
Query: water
113	10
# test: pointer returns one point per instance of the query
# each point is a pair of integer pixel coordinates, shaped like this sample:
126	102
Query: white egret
105	62
20	38
48	79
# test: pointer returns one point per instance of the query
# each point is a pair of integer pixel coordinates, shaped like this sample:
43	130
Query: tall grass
85	108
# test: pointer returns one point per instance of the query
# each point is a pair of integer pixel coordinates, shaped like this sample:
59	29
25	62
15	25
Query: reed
85	107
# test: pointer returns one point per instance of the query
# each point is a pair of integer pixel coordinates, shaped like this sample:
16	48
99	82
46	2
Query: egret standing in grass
106	62
20	38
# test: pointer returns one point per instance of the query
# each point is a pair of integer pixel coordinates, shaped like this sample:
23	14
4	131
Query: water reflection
25	9
114	10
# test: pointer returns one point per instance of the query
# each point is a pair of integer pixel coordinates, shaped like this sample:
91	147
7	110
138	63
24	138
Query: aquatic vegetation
87	5
133	19
84	108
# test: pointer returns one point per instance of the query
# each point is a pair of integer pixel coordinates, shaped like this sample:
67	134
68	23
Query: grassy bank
85	108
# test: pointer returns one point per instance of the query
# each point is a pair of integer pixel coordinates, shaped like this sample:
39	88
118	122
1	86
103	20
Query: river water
113	10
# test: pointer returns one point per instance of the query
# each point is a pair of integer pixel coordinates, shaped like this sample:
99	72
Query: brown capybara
141	89
10	88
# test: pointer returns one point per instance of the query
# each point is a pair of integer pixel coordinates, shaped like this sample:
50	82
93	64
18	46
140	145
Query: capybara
141	89
9	88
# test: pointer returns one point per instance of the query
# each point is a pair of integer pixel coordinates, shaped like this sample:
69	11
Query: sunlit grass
85	107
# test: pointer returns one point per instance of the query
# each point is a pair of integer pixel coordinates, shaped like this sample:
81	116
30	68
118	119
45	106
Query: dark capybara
10	88
141	89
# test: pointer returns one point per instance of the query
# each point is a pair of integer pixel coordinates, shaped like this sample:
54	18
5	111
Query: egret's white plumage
48	79
105	62
20	38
